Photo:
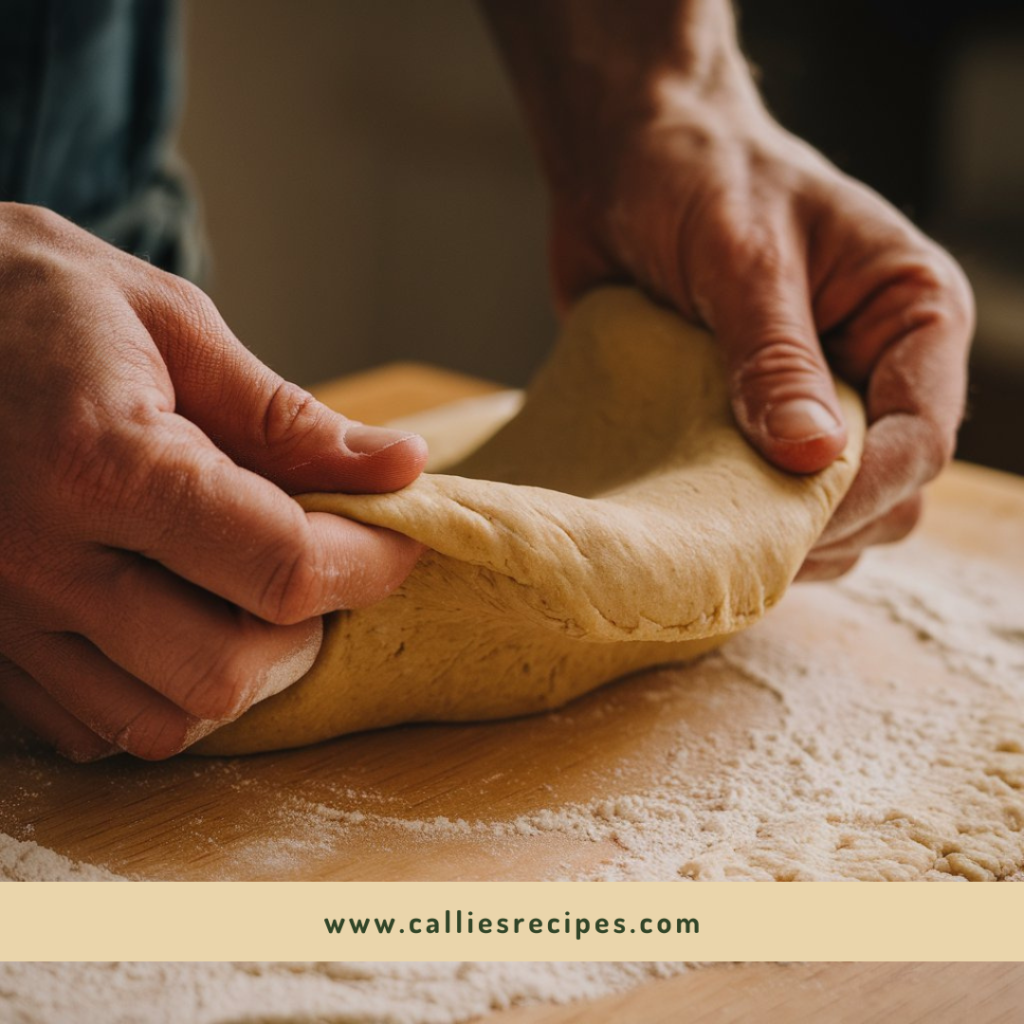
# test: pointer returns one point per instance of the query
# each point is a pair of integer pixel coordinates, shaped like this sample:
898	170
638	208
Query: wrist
593	73
678	123
707	79
713	105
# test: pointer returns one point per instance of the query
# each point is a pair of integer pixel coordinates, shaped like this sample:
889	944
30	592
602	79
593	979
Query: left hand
795	267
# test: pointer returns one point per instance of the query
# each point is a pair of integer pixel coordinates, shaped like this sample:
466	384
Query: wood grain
837	993
253	818
247	818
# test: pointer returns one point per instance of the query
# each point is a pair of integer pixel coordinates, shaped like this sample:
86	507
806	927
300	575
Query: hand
666	171
155	577
795	267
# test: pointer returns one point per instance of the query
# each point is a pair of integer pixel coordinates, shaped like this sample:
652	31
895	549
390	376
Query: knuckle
39	248
84	456
778	367
945	273
98	477
37	265
174	477
99	462
223	687
202	308
743	248
943	291
155	489
178	309
291	414
235	679
778	352
960	294
936	446
39	221
169	476
293	590
44	217
190	299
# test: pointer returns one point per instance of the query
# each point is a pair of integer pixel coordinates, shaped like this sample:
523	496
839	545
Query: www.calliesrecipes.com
460	922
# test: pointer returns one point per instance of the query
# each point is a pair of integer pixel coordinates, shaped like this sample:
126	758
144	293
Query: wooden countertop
833	993
193	818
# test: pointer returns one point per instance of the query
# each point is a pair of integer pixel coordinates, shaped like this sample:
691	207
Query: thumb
782	393
265	423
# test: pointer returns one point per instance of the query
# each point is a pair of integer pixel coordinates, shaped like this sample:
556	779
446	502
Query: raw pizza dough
618	521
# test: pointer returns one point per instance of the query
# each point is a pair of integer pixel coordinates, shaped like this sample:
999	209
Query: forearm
589	71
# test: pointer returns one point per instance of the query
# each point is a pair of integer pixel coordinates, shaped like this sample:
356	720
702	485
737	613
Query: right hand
156	579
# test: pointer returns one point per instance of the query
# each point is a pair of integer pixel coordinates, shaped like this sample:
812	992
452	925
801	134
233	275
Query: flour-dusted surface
26	861
327	993
865	769
870	729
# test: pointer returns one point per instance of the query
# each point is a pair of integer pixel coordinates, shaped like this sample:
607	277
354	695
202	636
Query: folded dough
618	521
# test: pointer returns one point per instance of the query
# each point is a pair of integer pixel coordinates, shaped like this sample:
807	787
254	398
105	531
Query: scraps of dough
618	521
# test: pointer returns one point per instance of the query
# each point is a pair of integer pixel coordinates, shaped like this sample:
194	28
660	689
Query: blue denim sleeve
89	95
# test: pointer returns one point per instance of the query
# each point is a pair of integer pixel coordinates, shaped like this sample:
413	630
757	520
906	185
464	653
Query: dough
618	521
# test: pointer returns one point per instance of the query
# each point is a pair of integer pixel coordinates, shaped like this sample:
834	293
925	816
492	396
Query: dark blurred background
370	194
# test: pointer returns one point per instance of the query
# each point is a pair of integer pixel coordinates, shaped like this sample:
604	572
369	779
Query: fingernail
800	419
365	440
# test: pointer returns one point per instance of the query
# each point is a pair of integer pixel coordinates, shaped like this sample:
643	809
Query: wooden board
243	819
247	818
839	993
199	819
399	389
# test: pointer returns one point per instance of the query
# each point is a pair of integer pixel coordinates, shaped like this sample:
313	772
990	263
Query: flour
300	993
25	861
871	729
909	770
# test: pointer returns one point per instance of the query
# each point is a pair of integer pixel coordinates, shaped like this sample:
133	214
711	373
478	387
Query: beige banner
510	921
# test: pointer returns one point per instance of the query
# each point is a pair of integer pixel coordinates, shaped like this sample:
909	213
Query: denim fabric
89	94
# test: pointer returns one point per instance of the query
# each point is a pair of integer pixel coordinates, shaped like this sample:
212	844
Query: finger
908	337
902	452
782	392
237	535
890	528
25	700
106	699
261	421
915	402
820	570
205	655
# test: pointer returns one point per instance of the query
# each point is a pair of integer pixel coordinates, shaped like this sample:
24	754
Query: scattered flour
901	771
29	862
300	993
784	756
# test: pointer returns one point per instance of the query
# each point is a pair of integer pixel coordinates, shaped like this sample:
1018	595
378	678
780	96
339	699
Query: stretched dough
617	522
